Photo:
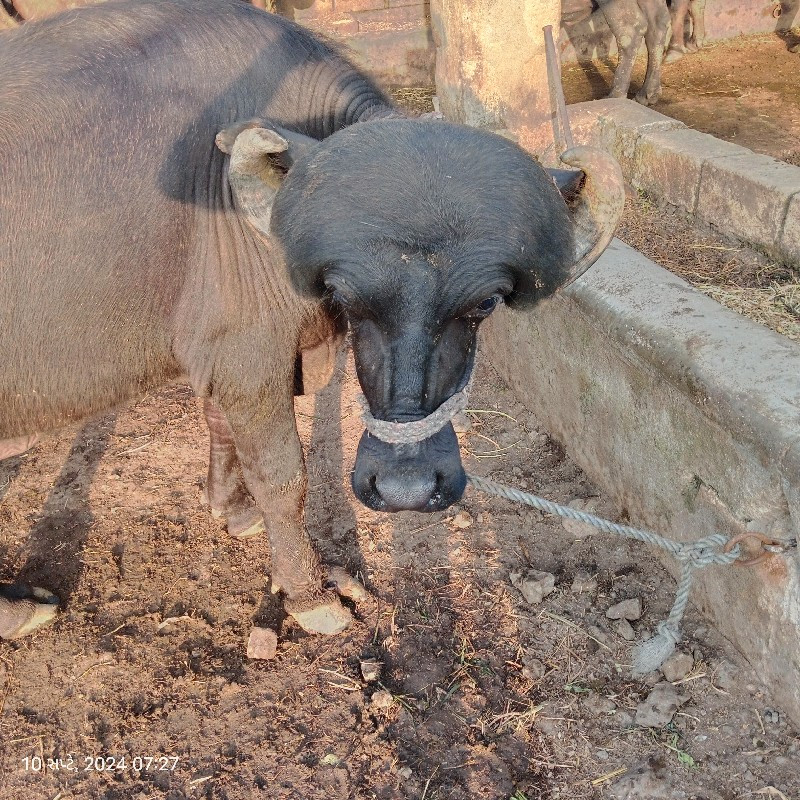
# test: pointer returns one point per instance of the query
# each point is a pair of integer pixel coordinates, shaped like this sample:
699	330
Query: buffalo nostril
406	495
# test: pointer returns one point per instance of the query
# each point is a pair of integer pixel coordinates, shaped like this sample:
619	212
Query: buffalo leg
628	26
657	19
226	492
17	445
271	459
23	609
697	13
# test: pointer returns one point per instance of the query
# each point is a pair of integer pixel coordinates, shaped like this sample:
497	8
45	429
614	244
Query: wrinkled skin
634	21
183	212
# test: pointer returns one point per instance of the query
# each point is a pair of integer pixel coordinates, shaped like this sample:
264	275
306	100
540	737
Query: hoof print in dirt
24	609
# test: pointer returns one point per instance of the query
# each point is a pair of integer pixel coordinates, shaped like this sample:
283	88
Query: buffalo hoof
674	54
241	525
322	614
23	609
646	99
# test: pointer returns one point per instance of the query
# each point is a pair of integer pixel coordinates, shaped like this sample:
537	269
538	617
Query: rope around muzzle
691	556
418	430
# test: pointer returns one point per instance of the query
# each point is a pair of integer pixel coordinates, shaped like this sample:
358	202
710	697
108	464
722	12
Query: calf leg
268	448
226	492
657	17
697	13
628	26
677	42
23	609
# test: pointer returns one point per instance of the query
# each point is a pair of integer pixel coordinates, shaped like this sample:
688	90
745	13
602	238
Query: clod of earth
262	644
677	666
533	585
658	708
630	609
624	629
462	520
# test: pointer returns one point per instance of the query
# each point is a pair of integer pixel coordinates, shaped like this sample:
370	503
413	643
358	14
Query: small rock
626	609
382	699
623	719
771	716
462	520
583	582
532	668
581	529
623	628
600	635
371	670
677	666
658	708
533	585
601	755
405	773
725	675
262	644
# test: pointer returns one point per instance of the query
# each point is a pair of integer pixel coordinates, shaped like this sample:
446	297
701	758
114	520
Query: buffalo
634	21
199	189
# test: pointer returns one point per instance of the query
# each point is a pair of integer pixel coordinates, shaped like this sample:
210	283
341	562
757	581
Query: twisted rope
690	555
419	430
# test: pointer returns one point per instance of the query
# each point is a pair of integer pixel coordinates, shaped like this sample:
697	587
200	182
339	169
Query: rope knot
707	551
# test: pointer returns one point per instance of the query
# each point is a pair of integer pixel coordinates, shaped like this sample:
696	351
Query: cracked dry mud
449	685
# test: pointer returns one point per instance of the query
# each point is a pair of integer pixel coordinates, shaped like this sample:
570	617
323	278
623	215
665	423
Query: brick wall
390	38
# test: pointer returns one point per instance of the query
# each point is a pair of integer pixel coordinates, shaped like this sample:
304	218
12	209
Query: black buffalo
199	188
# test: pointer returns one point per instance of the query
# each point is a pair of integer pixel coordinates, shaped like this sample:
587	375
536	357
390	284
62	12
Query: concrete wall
688	416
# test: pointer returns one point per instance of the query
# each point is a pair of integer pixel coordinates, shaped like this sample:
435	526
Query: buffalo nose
405	495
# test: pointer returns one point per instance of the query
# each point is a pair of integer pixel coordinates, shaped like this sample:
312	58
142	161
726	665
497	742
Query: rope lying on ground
691	556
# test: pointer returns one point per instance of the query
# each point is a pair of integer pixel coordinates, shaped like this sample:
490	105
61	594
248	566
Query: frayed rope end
649	656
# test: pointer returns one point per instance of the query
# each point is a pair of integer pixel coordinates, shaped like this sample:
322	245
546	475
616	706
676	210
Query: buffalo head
417	231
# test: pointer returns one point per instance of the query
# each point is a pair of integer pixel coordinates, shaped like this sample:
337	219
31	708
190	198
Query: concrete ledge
688	415
751	197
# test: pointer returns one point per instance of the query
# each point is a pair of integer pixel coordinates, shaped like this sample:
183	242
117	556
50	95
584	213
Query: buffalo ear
259	158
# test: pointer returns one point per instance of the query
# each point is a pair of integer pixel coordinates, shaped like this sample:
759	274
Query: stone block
790	235
748	196
358	5
669	163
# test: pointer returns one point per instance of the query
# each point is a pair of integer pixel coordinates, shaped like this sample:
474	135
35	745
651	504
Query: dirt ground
480	694
142	687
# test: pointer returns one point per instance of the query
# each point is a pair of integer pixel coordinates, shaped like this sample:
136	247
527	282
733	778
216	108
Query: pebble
405	773
626	609
381	699
725	675
462	520
584	582
771	716
262	644
533	585
645	783
658	708
623	628
371	670
598	705
677	666
532	668
601	755
581	529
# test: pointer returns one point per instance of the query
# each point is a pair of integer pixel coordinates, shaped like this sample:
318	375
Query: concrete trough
684	412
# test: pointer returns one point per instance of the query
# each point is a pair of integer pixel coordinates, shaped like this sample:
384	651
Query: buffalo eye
485	307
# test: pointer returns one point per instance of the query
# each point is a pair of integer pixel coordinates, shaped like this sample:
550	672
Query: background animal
634	21
197	188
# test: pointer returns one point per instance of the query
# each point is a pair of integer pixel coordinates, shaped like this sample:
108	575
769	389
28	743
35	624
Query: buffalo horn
596	208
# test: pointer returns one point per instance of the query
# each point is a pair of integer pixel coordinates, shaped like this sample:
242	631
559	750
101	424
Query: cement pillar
490	64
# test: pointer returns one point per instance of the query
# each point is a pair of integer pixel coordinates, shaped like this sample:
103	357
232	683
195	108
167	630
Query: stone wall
391	38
